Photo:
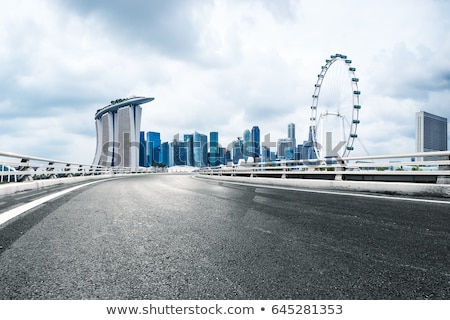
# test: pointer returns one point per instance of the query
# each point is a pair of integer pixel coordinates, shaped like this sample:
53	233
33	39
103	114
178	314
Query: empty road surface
181	237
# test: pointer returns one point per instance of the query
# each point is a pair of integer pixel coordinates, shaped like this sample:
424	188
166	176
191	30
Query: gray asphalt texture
179	237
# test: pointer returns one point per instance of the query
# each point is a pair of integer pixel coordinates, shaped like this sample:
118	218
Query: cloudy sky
215	66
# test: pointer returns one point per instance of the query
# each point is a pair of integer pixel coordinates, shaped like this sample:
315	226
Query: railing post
80	170
67	170
51	168
444	167
25	166
444	179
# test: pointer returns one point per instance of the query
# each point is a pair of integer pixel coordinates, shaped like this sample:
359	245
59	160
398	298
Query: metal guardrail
19	168
422	167
433	167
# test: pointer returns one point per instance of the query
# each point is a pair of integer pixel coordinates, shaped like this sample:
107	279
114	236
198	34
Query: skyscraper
214	151
256	139
165	154
189	147
291	133
286	146
153	148
431	132
179	152
142	150
265	154
307	149
236	150
118	127
247	145
200	146
285	149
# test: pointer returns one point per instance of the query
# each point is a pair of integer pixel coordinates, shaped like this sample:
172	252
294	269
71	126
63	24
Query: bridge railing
431	167
19	168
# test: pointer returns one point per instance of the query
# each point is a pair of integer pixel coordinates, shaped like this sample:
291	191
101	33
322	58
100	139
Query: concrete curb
401	188
14	187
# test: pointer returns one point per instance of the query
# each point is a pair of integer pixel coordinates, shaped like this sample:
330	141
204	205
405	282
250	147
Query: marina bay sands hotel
118	126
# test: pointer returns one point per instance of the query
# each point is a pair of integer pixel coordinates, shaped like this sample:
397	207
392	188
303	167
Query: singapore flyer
335	109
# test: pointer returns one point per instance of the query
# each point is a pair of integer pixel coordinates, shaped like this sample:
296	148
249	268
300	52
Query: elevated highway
179	236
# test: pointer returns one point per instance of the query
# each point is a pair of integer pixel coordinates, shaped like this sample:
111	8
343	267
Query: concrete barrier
13	187
404	188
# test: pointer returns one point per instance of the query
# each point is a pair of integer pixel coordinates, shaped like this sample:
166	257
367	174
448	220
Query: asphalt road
179	237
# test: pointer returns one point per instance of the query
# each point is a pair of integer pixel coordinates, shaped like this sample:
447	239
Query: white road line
361	195
8	215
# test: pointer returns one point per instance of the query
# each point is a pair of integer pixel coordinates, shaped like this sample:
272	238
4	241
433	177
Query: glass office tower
237	150
256	142
200	148
142	150
247	144
291	133
153	148
431	132
214	151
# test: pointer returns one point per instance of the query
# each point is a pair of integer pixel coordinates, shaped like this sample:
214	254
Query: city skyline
431	135
221	66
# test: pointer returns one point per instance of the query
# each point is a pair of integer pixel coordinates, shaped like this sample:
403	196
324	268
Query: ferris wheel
335	109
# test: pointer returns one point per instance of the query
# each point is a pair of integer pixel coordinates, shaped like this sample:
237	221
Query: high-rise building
142	150
256	142
222	156
431	132
200	148
189	145
153	148
308	150
291	133
286	146
118	132
214	150
236	150
165	154
246	145
285	149
179	154
265	154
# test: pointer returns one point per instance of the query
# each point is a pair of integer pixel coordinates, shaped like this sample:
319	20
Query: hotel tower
118	126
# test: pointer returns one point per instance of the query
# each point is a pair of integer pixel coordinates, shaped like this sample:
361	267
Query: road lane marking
261	230
8	215
361	195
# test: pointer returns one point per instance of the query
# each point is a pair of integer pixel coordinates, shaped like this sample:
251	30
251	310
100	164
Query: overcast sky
215	66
